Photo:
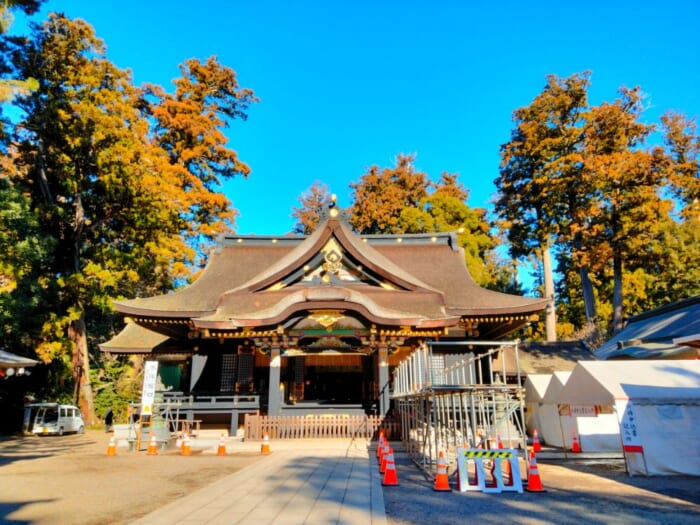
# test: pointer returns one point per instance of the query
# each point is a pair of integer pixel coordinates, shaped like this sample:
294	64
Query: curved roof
418	280
134	339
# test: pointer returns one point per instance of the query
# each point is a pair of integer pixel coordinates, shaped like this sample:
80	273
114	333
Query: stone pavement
301	481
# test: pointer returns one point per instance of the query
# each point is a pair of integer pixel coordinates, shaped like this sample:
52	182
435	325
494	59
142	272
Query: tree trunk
617	293
617	273
588	301
82	390
550	313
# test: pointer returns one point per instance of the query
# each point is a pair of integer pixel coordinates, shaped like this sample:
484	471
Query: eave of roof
9	360
386	307
133	339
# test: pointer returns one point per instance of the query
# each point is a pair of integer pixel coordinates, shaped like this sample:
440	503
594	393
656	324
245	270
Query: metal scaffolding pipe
447	401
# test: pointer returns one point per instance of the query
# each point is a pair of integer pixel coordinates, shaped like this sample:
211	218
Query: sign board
150	377
583	411
628	426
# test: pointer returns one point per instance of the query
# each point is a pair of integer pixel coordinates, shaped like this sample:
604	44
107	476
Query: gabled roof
536	386
661	333
555	387
416	280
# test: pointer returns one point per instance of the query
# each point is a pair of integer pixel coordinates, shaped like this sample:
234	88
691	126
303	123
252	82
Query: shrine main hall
306	324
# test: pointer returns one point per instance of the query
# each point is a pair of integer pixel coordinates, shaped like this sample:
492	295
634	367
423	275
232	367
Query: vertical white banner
150	377
629	433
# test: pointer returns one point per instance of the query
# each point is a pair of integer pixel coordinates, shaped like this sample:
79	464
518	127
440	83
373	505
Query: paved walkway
305	481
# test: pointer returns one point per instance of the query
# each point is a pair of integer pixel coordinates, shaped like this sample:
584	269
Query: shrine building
306	324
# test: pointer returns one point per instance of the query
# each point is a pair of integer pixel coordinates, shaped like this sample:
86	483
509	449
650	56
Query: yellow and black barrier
489	466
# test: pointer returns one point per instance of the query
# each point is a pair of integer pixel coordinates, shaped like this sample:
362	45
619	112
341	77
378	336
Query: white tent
535	388
657	407
554	429
13	364
595	424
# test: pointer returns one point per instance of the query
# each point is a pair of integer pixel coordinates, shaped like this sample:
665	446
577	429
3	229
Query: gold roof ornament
327	318
332	210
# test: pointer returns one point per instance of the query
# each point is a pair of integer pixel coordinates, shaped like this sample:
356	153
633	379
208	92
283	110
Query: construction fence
455	395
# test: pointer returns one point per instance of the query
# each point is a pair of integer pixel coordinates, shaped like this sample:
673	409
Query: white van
52	418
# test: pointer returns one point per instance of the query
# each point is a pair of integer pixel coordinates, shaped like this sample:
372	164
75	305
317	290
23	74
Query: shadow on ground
580	502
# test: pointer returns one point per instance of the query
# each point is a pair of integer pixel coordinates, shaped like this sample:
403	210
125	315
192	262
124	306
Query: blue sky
347	84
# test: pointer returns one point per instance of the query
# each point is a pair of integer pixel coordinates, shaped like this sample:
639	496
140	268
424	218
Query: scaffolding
445	401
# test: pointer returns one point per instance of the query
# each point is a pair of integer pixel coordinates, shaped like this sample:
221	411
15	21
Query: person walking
109	418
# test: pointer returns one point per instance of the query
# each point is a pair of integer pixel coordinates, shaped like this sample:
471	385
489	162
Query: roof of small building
10	360
667	332
547	357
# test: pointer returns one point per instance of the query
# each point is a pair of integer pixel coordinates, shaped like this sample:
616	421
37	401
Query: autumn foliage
117	186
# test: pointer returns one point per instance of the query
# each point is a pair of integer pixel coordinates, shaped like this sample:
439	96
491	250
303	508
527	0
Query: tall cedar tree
624	182
581	179
683	145
113	198
537	185
9	87
382	193
401	200
313	205
188	125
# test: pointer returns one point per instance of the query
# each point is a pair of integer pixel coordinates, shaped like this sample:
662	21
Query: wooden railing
318	426
212	400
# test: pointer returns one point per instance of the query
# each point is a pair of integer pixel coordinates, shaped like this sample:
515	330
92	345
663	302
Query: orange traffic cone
221	449
380	444
499	443
534	483
575	445
385	458
152	446
442	483
536	445
384	449
265	447
491	467
186	450
390	477
112	447
506	471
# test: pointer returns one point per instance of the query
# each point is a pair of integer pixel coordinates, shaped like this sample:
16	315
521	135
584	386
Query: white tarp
657	411
198	362
555	429
10	360
535	388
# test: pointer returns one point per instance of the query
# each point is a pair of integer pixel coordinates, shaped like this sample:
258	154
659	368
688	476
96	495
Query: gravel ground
71	480
579	493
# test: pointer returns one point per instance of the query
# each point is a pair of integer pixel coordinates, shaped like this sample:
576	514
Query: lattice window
299	378
229	363
246	365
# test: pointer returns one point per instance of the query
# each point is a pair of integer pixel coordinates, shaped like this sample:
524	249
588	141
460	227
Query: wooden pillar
274	401
383	375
